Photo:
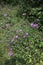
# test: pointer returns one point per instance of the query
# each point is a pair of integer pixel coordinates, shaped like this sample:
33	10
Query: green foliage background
33	55
33	8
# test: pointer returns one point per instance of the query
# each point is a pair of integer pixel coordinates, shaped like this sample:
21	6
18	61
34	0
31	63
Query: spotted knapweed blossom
10	53
20	30
16	37
34	25
27	47
26	34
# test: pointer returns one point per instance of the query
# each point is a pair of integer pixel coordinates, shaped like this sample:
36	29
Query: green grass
24	52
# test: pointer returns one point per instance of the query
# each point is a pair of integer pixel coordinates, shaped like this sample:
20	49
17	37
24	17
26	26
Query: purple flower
26	34
16	37
10	53
34	25
27	47
20	31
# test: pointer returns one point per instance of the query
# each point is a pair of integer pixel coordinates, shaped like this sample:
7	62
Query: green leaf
41	44
37	64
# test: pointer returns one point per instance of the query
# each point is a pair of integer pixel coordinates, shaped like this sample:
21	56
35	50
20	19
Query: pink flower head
16	37
20	30
34	25
27	47
26	34
10	53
